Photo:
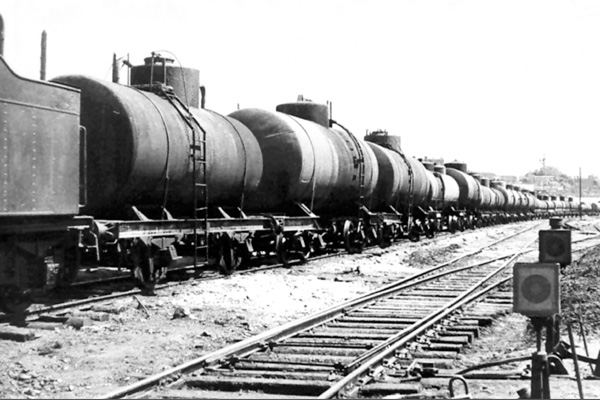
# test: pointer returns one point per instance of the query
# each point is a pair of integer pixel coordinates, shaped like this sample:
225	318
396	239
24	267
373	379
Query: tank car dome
384	139
462	167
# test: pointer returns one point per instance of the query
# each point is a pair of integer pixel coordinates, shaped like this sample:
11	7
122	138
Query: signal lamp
536	291
555	246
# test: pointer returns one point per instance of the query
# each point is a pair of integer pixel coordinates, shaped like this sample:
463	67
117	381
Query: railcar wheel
229	257
452	225
352	238
69	260
303	255
469	223
414	235
281	249
143	266
303	247
429	230
385	235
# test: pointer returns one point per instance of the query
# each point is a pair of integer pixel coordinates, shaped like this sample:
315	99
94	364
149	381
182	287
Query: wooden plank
16	334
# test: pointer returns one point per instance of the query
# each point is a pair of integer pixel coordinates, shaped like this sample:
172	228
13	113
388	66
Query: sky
499	85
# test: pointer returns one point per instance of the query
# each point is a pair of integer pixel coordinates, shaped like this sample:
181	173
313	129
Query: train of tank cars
138	175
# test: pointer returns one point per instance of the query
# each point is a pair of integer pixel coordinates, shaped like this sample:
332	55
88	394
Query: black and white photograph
283	199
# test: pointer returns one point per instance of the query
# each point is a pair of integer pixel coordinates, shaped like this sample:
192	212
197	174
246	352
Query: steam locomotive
139	175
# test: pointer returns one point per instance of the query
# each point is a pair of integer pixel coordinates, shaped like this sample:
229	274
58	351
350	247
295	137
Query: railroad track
88	292
377	344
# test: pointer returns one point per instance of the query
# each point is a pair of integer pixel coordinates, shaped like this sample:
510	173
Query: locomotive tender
136	176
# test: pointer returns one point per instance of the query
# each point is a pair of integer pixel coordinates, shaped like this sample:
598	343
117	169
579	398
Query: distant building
540	181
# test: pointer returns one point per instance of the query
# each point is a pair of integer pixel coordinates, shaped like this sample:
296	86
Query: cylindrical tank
542	205
532	201
516	201
509	197
420	183
487	196
444	190
500	198
558	202
309	163
414	172
469	188
522	200
495	195
550	202
435	188
138	152
449	188
392	175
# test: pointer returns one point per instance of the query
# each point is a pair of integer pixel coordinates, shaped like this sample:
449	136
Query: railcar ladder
200	186
198	155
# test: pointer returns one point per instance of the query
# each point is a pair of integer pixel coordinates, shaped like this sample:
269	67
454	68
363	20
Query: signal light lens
536	288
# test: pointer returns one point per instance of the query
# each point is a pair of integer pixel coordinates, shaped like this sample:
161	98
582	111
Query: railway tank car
403	184
450	192
469	198
312	162
154	159
140	150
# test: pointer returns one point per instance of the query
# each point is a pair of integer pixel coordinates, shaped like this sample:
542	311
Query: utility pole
43	57
580	193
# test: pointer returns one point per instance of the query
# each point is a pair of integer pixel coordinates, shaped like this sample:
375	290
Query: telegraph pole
580	207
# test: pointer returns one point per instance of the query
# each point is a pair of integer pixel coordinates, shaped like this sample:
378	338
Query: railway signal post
554	247
536	294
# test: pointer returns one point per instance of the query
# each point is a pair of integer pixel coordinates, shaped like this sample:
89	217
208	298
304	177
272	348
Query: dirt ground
148	335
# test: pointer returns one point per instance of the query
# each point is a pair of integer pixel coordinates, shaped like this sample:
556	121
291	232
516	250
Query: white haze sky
496	84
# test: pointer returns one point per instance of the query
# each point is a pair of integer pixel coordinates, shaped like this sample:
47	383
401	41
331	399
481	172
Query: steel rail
292	328
239	350
132	292
392	339
377	354
452	261
76	303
